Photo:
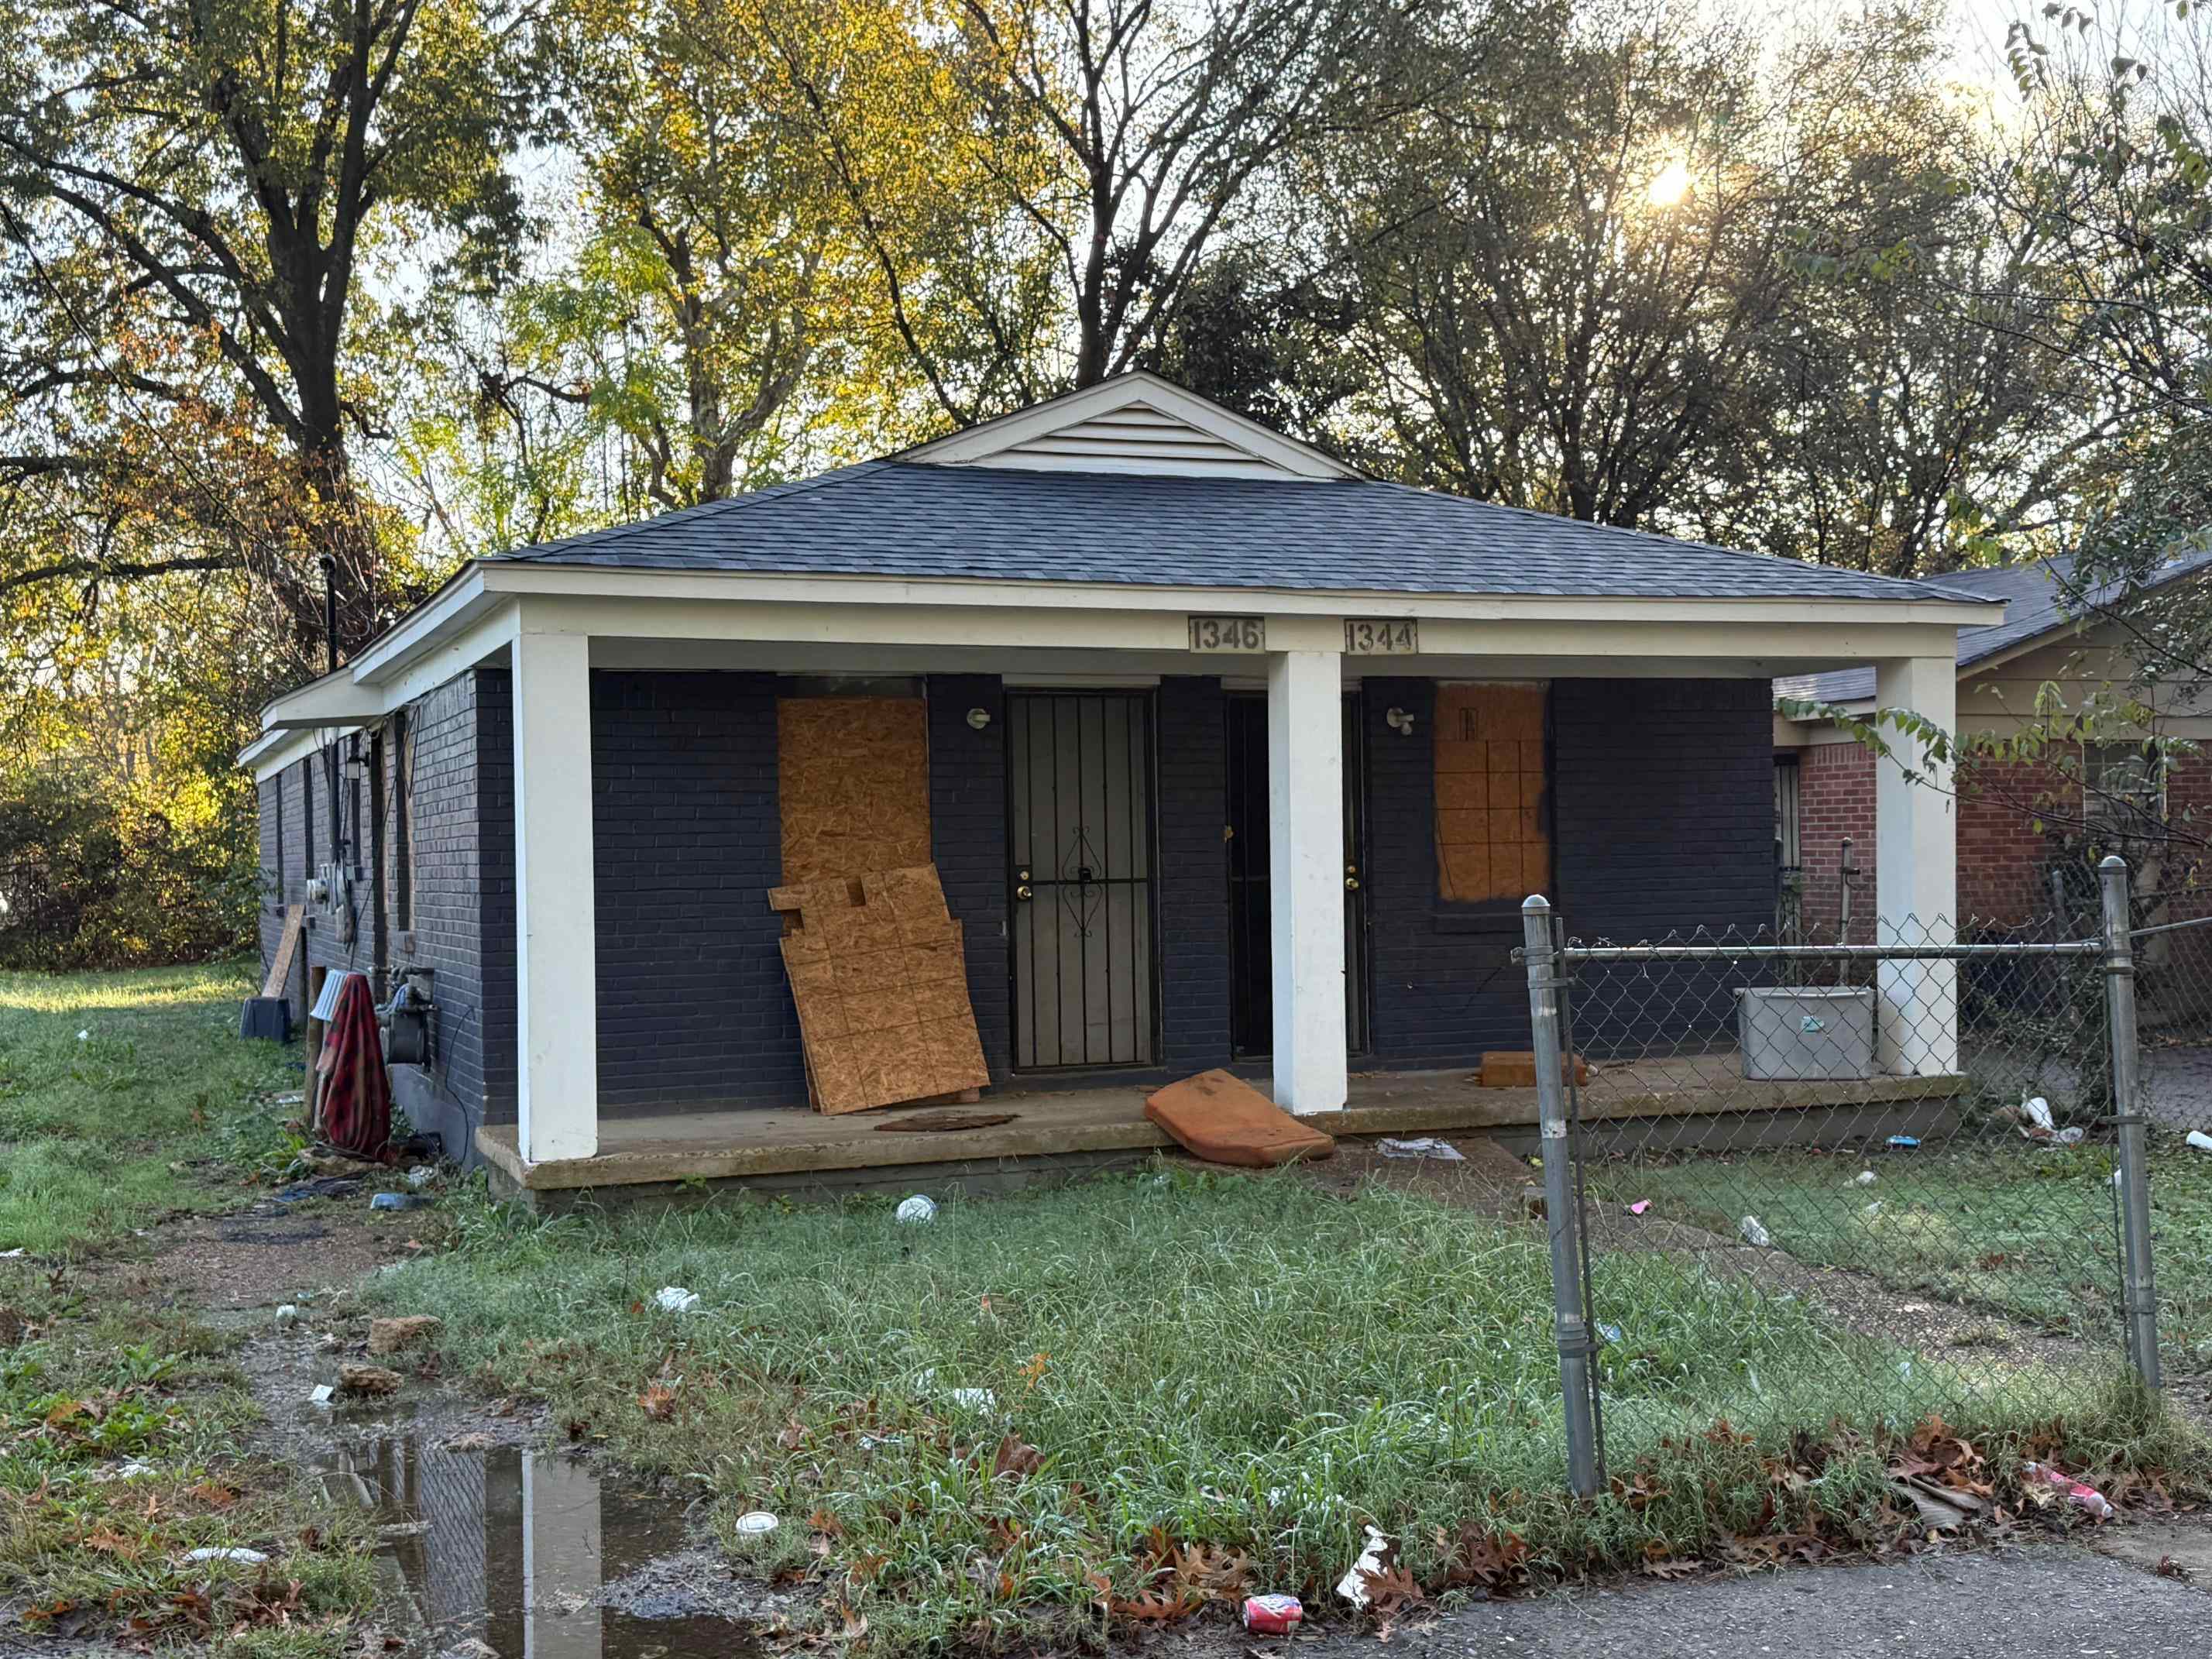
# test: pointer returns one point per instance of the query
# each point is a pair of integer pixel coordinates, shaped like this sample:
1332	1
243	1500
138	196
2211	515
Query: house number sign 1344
1381	637
1228	633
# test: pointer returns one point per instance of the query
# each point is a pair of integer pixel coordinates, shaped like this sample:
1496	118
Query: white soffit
1135	423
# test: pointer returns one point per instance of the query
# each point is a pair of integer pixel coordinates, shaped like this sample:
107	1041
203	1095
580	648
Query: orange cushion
1225	1120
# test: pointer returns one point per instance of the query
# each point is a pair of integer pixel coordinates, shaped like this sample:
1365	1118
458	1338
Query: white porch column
556	978
1306	876
1916	872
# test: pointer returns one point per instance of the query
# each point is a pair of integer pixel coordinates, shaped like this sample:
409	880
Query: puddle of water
524	1554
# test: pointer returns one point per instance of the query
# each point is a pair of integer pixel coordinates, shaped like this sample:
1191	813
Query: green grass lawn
979	1418
126	1096
120	1428
2030	1233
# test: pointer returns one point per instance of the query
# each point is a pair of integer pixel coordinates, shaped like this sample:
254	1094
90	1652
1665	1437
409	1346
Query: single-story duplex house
1225	755
2020	821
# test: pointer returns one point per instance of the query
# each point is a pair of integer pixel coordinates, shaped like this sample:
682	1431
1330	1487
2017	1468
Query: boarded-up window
1493	834
852	784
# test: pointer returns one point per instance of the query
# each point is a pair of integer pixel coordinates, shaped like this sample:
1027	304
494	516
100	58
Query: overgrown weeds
127	1097
1049	1414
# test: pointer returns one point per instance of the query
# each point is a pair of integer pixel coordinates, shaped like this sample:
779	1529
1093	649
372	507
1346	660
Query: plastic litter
2197	1139
755	1524
2082	1497
324	1394
1863	1178
287	1316
1272	1615
1639	1206
1610	1332
1903	1143
918	1208
674	1298
1872	1210
2035	1117
1427	1146
1753	1234
209	1553
1352	1587
422	1175
396	1201
85	1037
2068	1136
10	1256
974	1400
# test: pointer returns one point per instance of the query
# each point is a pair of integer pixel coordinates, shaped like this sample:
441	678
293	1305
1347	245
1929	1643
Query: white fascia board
274	751
707	586
978	444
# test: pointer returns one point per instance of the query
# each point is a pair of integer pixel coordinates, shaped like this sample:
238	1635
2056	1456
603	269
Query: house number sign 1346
1228	633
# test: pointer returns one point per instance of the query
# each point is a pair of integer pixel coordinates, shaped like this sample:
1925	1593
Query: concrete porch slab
1087	1126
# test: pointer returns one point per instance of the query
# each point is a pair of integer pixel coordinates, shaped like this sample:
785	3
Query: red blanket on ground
356	1093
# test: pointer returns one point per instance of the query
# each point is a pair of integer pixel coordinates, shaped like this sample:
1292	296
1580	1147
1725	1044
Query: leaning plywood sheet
852	784
881	984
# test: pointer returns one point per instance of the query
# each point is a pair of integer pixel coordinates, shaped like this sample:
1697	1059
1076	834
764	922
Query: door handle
1024	892
1352	884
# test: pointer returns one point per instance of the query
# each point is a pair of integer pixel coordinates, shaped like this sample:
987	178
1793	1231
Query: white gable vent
1133	423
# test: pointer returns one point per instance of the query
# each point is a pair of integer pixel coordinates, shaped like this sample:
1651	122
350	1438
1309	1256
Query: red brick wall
2004	852
1835	799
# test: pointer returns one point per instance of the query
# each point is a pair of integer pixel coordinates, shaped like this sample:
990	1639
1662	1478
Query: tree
1580	275
189	190
1093	155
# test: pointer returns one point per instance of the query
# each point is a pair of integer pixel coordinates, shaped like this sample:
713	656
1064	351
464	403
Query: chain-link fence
1907	1169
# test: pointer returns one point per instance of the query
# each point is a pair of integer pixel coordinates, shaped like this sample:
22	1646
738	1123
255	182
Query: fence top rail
2170	926
1570	954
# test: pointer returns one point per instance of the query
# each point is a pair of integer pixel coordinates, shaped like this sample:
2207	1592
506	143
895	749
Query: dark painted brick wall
967	835
693	1005
1664	796
494	745
1661	819
449	932
1192	892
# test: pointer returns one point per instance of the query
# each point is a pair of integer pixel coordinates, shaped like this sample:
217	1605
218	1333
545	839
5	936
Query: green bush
97	874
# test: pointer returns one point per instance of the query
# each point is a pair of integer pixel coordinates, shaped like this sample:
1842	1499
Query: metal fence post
1572	1329
2140	1288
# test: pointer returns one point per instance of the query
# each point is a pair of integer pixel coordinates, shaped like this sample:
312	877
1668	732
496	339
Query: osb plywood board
852	784
880	979
1492	840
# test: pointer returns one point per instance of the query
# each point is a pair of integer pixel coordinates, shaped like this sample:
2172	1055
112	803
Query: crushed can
1272	1615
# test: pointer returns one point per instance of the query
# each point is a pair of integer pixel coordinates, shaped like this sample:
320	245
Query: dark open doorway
1251	954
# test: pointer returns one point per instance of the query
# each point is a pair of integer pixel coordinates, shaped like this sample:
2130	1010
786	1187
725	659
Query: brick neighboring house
1225	753
2018	824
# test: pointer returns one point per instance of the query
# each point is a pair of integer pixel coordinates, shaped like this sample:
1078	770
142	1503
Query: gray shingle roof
2037	603
900	519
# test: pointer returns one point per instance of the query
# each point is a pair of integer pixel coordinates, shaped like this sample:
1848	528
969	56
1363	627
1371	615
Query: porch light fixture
979	718
1400	721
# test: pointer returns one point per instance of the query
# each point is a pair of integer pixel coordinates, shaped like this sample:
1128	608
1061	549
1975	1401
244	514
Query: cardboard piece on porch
287	946
1516	1068
880	980
1225	1120
852	784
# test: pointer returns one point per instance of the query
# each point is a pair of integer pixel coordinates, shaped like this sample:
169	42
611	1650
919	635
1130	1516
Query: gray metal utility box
1803	1032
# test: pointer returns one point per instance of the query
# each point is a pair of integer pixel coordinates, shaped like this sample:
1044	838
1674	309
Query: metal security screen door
1080	776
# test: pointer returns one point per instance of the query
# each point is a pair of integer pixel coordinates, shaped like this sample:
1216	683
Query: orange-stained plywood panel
879	980
852	785
1493	838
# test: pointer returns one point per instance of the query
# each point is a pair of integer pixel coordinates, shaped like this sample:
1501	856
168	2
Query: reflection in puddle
529	1554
